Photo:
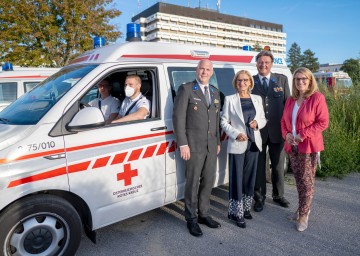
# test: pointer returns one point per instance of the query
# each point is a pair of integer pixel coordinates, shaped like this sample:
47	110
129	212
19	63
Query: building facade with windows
165	22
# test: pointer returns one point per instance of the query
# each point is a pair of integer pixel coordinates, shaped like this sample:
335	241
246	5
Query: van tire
40	225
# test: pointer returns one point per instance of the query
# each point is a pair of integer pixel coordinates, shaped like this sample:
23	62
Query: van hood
11	134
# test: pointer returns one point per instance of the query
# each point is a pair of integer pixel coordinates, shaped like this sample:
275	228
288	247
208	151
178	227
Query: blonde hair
251	86
312	85
136	77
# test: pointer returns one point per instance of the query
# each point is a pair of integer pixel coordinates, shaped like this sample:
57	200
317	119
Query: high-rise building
165	22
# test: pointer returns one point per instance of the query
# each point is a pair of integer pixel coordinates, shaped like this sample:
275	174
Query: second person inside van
135	106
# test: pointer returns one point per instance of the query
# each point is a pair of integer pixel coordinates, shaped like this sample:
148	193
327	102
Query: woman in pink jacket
304	119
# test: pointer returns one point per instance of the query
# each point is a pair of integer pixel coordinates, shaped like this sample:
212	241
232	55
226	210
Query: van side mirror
86	118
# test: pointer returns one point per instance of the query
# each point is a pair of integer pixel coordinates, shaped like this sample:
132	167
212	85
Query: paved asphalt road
334	227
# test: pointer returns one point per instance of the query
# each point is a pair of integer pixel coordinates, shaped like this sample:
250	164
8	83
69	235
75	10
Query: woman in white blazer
242	118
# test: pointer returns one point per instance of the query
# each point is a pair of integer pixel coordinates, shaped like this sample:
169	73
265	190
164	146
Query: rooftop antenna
199	3
218	5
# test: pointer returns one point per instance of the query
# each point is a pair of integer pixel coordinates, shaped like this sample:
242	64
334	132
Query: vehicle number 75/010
40	145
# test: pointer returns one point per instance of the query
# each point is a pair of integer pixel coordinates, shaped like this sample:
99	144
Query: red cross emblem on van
127	174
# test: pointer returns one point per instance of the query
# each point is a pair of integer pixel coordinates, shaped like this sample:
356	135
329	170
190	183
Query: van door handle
158	128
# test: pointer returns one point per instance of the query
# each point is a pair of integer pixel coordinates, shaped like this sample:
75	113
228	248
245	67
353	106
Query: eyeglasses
242	80
304	79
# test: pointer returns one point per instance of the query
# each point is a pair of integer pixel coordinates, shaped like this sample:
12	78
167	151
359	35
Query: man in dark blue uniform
196	125
274	90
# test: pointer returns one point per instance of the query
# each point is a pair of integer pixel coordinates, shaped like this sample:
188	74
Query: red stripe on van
135	154
244	59
37	177
172	147
119	158
41	154
79	167
80	59
149	151
227	58
50	174
162	148
101	162
99	144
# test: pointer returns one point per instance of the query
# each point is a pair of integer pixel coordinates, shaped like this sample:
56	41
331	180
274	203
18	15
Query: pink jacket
312	118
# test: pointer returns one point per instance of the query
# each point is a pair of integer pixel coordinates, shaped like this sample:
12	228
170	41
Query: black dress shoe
208	221
232	217
194	229
247	215
241	223
282	202
258	206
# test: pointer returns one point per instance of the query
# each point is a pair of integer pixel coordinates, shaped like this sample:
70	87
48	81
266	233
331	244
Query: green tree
352	67
257	47
294	57
309	61
51	33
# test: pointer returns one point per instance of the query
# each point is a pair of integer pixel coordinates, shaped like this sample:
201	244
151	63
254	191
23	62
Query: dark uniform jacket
273	102
195	124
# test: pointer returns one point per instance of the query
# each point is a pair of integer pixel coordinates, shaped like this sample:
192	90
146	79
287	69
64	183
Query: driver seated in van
135	106
108	104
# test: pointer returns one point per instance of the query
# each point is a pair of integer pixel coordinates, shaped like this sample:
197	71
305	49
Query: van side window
224	78
117	82
221	79
8	91
180	75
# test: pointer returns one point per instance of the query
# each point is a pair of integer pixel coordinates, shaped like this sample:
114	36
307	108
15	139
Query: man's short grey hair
265	53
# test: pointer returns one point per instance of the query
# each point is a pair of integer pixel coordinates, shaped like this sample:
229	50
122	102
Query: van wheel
40	225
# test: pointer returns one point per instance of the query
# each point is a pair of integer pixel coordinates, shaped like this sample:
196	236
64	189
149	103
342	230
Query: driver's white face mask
129	91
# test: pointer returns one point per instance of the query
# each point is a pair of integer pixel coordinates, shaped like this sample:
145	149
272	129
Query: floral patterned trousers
304	168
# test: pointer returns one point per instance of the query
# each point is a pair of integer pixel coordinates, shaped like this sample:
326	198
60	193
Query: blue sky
329	28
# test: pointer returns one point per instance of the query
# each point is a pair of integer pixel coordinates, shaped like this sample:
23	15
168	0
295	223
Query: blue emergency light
133	32
247	48
7	66
99	42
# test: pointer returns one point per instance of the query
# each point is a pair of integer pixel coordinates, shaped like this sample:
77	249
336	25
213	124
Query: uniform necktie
264	84
207	96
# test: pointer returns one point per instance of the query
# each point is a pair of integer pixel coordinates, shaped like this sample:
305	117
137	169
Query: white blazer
232	122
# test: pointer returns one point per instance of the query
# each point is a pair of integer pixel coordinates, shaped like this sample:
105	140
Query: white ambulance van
14	83
63	170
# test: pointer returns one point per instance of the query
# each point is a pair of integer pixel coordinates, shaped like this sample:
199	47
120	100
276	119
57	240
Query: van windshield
32	106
